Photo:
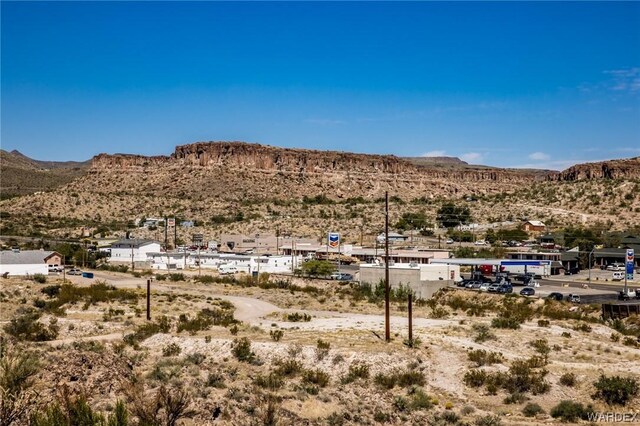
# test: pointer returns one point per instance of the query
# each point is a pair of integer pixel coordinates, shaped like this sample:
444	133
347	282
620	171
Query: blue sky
507	84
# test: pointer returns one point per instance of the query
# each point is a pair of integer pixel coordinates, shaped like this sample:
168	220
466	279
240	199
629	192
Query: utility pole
132	262
149	300
387	330
410	311
590	253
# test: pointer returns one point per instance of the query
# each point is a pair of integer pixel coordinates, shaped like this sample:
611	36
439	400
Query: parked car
55	268
477	285
227	269
74	271
615	267
481	243
493	288
462	283
555	296
449	241
484	286
573	298
470	284
341	276
630	294
527	291
505	288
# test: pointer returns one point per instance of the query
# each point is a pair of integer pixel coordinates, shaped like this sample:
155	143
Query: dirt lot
329	332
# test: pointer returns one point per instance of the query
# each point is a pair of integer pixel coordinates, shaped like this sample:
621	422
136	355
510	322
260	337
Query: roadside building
259	244
28	262
132	250
394	237
533	227
423	280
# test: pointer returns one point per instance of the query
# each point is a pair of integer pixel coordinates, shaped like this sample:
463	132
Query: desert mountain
23	175
242	187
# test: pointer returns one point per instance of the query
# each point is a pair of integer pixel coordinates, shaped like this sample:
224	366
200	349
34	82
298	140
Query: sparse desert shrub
272	381
165	407
195	358
568	379
482	357
505	322
630	341
28	327
566	334
40	278
205	279
381	417
17	369
289	368
356	371
387	381
400	403
316	377
215	380
276	335
569	411
161	277
322	349
532	410
475	378
144	331
177	276
171	349
95	293
410	378
241	349
420	400
412	343
541	346
583	327
515	398
483	333
234	330
51	290
297	317
543	323
615	390
488	420
69	410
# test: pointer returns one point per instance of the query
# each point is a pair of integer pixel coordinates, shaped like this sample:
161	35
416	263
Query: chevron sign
334	239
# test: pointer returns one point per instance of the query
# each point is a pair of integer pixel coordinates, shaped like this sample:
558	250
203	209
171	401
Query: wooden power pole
387	330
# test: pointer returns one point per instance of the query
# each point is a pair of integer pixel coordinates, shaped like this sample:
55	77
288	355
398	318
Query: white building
424	280
133	250
28	262
273	264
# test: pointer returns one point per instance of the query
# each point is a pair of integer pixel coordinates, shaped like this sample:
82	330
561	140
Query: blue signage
334	239
630	263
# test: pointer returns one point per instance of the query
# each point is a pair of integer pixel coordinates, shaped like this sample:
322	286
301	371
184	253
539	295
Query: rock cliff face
613	169
240	156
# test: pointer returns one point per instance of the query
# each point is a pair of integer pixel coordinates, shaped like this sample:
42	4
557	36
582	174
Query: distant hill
23	175
436	161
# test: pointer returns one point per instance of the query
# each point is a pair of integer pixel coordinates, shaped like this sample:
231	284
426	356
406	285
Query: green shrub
482	357
40	278
28	327
387	381
144	331
316	377
51	290
615	390
410	378
356	371
297	317
569	411
505	322
241	349
322	349
420	400
541	346
543	323
532	410
488	420
515	398
583	327
276	335
568	379
171	349
271	382
483	333
161	277
475	378
91	295
289	368
215	380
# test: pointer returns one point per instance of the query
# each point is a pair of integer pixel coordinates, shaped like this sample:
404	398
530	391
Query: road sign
630	261
171	222
334	240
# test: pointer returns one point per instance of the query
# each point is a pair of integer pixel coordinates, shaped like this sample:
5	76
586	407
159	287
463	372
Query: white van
617	276
225	269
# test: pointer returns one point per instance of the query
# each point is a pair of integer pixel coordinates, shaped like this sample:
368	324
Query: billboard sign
171	222
334	240
629	260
